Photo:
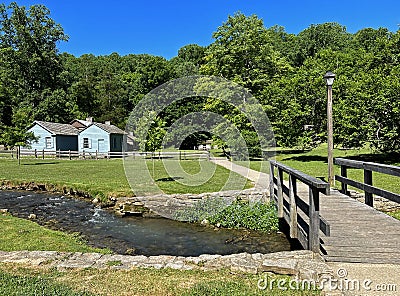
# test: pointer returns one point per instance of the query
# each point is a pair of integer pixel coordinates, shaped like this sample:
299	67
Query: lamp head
329	78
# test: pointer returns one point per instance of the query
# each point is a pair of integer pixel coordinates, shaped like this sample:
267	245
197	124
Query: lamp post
329	78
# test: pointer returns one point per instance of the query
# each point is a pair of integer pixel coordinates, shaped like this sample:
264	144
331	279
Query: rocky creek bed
136	235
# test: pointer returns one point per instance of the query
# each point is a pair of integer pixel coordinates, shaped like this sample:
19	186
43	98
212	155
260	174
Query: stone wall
165	205
302	264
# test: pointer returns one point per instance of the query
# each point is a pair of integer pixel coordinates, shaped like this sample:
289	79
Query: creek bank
301	264
56	189
166	205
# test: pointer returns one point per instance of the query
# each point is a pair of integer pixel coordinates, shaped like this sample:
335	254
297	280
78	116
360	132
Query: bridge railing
303	218
367	185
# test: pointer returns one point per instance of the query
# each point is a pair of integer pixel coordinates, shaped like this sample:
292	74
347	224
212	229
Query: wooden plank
361	249
306	179
376	167
363	260
280	193
313	233
369	199
293	206
371	189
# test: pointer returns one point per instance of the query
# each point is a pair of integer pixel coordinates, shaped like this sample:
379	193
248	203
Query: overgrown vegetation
238	214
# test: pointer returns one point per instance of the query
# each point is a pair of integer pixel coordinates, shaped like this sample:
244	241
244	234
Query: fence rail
367	185
306	223
42	154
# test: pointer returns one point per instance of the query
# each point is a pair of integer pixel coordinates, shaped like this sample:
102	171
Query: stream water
144	236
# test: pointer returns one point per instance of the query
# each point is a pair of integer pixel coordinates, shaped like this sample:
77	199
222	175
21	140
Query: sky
161	27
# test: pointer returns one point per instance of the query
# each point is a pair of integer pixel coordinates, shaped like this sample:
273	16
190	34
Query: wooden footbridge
330	222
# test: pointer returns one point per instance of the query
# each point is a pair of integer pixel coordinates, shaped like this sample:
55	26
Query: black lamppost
329	78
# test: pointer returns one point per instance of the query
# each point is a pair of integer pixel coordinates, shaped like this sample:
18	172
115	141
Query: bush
239	214
243	214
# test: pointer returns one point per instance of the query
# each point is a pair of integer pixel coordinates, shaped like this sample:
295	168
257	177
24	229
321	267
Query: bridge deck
358	232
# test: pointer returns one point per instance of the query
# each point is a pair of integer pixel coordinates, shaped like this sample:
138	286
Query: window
49	142
86	143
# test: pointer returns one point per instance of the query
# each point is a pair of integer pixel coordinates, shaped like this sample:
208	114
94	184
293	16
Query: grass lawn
315	163
107	177
15	279
195	177
19	234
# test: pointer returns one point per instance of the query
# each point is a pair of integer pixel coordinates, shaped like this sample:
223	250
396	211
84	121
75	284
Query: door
101	147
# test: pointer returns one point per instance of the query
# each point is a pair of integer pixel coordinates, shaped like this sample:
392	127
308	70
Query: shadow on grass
384	158
169	179
291	151
307	158
40	163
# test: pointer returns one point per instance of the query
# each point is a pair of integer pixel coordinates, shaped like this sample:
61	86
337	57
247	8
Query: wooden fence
306	223
367	185
42	154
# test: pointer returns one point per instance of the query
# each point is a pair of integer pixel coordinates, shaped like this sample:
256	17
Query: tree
30	66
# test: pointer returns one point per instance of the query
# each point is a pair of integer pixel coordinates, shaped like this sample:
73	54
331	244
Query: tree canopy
283	71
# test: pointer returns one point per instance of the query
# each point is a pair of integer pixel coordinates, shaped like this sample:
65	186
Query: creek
142	236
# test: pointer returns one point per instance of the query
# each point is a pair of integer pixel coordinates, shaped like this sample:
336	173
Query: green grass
395	214
19	234
195	177
103	178
137	281
31	286
97	177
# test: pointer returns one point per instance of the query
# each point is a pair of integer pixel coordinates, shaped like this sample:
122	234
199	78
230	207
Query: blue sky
161	27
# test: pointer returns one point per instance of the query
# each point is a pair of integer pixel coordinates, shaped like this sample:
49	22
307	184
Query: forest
282	71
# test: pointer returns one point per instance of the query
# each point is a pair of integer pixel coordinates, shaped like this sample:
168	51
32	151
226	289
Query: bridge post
369	199
280	192
293	206
343	173
313	231
271	182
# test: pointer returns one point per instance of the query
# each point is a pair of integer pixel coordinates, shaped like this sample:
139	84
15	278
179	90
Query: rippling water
147	236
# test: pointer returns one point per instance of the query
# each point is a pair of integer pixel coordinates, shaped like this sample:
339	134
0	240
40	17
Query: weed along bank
79	135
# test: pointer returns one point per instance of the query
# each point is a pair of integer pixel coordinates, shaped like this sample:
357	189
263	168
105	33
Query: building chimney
90	119
108	122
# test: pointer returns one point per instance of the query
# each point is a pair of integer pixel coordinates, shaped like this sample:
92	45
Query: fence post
96	155
293	206
42	153
280	192
35	153
83	154
369	199
180	155
313	231
69	154
343	173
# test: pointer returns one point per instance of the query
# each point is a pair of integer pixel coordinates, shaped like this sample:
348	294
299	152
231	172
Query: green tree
30	66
